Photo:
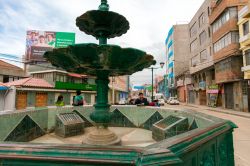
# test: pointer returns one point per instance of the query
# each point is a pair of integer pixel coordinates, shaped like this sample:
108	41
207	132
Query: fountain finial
104	5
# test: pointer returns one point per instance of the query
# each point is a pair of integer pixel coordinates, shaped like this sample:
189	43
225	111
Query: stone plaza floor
129	137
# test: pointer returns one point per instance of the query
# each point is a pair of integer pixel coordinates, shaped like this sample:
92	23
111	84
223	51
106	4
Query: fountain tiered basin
149	135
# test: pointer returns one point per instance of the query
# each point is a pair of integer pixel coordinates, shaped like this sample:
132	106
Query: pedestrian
141	100
78	99
60	101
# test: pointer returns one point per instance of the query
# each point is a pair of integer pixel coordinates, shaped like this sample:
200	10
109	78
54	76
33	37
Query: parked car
122	102
161	101
173	101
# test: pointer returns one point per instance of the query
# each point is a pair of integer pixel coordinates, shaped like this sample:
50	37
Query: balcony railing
244	38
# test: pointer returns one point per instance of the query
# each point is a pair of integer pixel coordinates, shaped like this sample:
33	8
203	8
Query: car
161	102
173	101
122	102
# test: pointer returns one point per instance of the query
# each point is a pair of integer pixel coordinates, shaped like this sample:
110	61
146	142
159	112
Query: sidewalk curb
221	111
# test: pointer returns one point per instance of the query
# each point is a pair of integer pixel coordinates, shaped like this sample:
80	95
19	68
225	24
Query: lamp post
152	70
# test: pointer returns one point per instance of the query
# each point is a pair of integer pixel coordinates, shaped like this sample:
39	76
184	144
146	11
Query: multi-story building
162	86
69	81
119	89
227	55
201	59
177	55
244	29
9	72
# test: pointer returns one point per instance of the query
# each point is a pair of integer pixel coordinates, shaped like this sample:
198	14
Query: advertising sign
38	42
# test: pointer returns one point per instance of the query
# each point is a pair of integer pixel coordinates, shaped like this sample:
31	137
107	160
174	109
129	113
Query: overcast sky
149	20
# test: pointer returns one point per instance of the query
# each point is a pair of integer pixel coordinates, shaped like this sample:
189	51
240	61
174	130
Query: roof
6	65
76	75
30	82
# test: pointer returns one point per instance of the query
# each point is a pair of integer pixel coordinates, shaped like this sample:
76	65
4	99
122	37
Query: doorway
229	96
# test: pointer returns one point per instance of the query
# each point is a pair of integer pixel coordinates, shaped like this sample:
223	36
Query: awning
3	88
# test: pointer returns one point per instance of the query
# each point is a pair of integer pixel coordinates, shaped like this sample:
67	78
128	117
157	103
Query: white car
122	102
161	101
173	100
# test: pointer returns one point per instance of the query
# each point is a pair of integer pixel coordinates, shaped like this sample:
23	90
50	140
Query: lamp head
162	64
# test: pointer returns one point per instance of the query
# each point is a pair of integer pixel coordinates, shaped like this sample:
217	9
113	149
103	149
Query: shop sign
213	89
180	83
202	85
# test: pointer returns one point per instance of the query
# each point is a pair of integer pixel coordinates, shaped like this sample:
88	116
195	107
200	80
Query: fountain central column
101	135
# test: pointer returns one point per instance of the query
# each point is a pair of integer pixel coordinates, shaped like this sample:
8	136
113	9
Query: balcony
245	68
244	12
75	86
245	40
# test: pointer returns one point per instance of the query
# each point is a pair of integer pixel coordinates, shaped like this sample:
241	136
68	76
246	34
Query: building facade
201	56
62	80
9	72
244	30
177	55
227	55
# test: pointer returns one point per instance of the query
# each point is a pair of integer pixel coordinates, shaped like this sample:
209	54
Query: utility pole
152	70
152	95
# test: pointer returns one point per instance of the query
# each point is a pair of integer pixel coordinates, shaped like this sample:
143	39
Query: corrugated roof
30	82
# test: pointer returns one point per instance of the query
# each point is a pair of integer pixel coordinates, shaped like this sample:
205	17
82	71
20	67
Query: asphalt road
241	134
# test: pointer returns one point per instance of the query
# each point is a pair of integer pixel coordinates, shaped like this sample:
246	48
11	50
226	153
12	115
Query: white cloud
149	22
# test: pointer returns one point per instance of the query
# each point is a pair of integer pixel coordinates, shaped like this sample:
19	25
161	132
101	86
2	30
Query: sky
149	21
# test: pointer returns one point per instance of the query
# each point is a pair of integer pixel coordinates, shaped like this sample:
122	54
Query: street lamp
152	69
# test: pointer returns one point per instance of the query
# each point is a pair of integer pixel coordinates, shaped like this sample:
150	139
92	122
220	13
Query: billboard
38	42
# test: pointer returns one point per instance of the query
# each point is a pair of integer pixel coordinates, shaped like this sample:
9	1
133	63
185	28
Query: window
203	55
247	57
195	60
224	65
203	37
193	29
193	45
232	37
201	19
246	28
227	15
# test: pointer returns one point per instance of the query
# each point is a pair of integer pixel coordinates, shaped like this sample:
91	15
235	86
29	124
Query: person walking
78	99
60	101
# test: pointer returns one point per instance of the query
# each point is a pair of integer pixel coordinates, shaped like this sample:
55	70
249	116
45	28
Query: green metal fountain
102	61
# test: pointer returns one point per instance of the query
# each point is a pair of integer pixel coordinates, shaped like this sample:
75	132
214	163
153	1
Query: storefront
214	96
202	93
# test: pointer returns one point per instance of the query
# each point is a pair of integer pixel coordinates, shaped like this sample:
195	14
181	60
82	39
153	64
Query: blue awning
3	88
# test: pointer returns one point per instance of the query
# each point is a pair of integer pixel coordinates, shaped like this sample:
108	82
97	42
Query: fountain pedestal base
102	136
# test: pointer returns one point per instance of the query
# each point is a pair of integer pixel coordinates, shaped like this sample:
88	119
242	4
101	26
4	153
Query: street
241	134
